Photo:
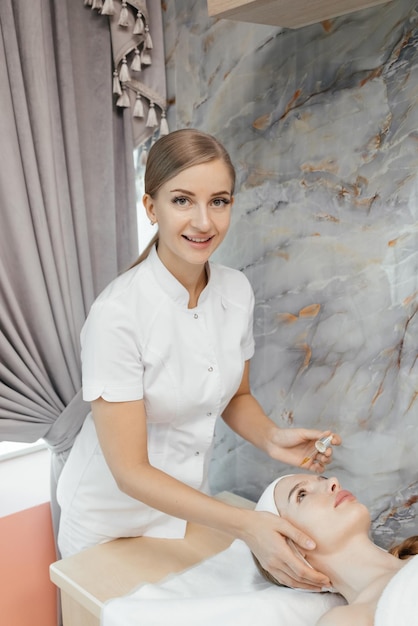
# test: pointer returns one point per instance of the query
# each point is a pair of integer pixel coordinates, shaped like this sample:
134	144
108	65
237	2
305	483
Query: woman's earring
152	222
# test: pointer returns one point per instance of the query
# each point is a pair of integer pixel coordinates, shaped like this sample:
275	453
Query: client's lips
343	495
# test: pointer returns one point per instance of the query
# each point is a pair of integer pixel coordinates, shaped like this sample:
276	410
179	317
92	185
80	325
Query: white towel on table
222	590
398	603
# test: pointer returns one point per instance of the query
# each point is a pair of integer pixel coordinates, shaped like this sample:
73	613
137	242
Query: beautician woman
165	352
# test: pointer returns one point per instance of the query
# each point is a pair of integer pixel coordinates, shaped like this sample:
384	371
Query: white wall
24	482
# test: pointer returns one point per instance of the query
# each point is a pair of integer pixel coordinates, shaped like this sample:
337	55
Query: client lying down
228	588
380	587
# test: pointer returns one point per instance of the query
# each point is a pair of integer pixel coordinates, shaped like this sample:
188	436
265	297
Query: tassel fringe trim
136	60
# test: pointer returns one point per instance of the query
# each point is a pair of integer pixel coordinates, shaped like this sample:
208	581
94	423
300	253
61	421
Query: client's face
319	506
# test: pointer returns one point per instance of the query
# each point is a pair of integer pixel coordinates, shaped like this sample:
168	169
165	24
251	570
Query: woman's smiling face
193	211
320	507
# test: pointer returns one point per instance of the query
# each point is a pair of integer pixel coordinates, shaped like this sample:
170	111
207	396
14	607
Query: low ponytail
145	252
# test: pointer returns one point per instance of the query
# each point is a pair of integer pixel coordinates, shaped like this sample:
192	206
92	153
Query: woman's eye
220	202
300	495
180	200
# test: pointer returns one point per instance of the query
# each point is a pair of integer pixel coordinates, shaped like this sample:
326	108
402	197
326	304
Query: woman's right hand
266	537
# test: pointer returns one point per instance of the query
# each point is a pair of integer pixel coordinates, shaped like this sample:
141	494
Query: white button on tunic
141	341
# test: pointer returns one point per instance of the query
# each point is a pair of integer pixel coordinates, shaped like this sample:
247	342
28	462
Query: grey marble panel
322	124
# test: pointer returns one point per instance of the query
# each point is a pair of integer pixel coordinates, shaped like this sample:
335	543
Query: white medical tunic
141	340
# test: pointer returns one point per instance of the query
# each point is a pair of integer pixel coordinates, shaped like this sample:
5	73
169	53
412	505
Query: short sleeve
248	344
111	359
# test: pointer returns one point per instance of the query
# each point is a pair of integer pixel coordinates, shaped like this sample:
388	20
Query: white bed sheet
398	603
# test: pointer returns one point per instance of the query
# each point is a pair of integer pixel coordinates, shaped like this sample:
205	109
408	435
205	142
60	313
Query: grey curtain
67	209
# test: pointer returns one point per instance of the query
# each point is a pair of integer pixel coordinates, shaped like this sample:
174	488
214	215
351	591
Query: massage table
88	579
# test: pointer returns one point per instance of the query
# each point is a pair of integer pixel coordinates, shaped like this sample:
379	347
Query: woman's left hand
296	446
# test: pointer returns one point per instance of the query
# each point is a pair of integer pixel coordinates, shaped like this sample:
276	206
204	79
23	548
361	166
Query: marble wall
322	124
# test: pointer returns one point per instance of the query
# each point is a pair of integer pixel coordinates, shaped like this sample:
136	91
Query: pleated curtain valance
139	63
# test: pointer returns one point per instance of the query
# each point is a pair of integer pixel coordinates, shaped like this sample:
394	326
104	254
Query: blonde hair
408	547
176	152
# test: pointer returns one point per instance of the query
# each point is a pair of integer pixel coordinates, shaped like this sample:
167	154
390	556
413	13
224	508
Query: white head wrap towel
267	501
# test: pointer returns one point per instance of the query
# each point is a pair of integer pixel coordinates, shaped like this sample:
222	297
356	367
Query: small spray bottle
320	446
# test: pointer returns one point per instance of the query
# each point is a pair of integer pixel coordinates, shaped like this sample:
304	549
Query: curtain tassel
124	75
148	40
138	107
163	125
136	61
152	117
123	100
116	83
145	57
108	8
139	25
124	15
88	3
97	4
